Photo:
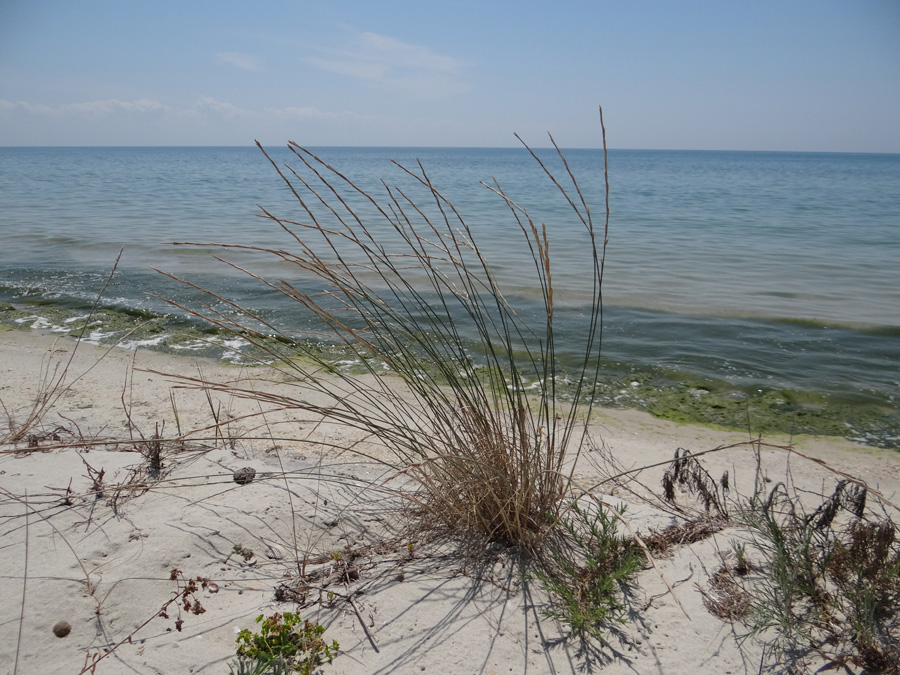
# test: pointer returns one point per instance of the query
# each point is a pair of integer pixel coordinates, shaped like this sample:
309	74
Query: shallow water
728	275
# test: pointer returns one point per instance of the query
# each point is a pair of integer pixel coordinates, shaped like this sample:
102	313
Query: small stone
62	628
245	475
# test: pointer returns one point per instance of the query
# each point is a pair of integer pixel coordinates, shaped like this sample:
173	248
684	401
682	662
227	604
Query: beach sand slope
93	535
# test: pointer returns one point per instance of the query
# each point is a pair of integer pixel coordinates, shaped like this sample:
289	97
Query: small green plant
741	561
245	553
589	568
285	643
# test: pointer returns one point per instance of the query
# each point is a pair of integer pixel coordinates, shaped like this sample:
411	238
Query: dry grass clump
471	412
726	597
661	542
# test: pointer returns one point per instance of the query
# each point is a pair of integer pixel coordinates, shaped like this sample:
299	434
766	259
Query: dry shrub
830	581
826	568
688	474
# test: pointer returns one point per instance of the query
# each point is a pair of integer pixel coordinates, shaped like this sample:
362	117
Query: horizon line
451	147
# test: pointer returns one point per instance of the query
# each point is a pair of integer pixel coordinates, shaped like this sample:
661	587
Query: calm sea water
749	272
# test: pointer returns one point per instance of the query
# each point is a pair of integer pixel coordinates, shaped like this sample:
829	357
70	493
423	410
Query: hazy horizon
441	147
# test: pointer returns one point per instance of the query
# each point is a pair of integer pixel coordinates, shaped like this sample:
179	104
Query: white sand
104	565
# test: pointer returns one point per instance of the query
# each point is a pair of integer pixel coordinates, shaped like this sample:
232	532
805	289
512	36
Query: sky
798	75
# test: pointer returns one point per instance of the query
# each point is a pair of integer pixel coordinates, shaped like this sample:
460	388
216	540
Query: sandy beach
92	534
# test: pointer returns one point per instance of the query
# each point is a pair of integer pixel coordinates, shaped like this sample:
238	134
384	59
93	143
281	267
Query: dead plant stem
24	587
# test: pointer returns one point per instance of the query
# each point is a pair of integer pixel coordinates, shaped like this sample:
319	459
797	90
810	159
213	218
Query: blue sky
811	75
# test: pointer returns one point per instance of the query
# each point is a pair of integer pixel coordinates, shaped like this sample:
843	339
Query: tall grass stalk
404	287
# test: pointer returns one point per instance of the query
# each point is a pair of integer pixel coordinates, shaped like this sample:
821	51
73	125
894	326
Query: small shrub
590	566
865	569
284	643
824	581
827	588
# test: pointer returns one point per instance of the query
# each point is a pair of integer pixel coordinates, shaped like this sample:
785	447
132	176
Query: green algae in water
669	395
755	410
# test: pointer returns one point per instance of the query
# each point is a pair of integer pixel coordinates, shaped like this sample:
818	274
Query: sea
750	290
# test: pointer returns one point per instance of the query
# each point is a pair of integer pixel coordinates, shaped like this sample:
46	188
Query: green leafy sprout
284	643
